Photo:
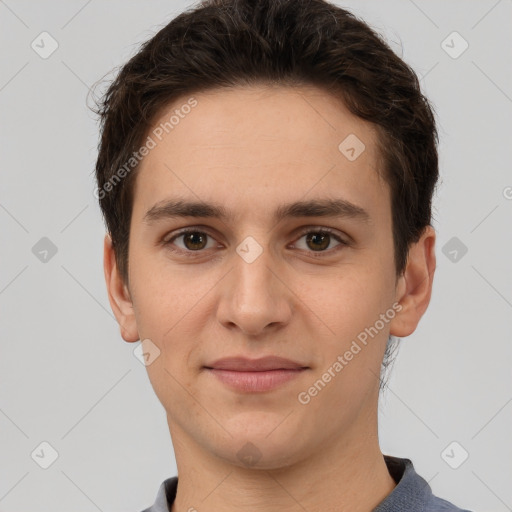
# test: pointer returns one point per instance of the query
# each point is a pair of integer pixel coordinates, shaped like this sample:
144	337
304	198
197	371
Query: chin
262	440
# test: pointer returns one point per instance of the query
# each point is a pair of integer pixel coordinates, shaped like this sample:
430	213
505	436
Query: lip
255	375
244	364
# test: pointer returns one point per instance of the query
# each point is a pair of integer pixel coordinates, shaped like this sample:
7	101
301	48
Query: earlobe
414	287
118	294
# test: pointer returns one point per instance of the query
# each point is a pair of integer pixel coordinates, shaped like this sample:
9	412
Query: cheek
162	298
350	305
348	299
172	306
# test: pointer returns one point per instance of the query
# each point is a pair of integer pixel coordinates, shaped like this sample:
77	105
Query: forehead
276	142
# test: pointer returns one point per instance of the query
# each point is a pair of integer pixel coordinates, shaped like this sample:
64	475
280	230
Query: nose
254	299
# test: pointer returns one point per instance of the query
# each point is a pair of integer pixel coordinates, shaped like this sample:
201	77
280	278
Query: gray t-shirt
411	494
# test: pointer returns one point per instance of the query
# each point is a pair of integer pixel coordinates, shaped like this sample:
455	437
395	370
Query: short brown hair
228	43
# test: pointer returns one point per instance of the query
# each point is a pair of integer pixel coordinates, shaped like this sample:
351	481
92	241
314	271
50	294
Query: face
255	235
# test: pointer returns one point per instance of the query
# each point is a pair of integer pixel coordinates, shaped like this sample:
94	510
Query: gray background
67	377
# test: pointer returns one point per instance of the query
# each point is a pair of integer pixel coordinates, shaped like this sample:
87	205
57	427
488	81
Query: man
266	172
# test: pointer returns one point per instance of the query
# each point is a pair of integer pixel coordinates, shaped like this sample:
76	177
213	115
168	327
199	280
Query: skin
252	149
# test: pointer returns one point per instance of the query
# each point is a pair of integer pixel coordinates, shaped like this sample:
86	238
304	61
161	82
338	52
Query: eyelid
321	229
183	231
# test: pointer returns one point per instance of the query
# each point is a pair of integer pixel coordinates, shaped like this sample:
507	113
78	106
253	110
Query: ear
414	286
118	294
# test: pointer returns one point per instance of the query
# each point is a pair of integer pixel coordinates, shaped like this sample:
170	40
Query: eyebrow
176	208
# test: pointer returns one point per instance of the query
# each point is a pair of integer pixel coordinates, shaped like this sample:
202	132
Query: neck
350	474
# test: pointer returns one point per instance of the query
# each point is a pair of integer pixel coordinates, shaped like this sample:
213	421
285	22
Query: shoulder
165	496
436	504
412	492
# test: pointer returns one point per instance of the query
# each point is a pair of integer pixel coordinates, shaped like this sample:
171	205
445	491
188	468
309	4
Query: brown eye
190	241
195	240
318	241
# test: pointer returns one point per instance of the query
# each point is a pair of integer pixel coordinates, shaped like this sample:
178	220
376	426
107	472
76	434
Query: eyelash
318	231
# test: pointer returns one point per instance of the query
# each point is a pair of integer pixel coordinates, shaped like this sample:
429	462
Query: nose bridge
254	297
253	275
